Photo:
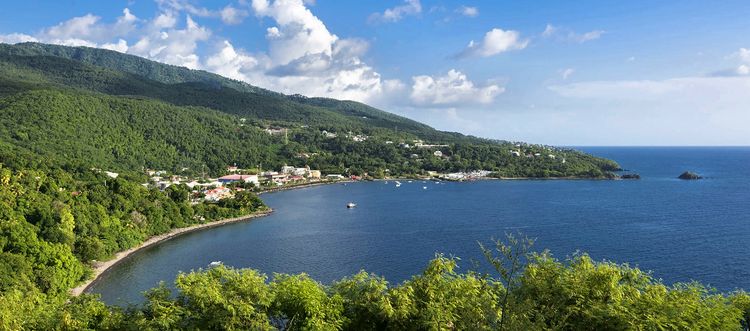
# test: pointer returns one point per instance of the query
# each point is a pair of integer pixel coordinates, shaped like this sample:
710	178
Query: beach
99	268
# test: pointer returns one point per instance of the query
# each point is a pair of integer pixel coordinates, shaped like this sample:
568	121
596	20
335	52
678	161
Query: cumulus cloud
468	11
565	34
741	68
15	38
744	56
174	46
451	89
84	30
395	14
231	15
303	55
495	41
88	31
121	46
298	32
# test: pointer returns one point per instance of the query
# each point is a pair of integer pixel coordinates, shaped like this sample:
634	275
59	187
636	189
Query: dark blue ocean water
681	230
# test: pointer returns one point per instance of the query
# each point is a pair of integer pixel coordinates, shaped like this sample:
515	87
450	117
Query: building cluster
354	137
470	175
216	189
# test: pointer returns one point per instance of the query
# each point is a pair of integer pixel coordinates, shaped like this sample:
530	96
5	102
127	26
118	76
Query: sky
570	73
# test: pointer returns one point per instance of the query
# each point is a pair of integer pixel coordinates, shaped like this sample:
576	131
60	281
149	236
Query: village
236	179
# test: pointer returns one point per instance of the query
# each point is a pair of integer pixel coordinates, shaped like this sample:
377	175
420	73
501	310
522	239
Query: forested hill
108	109
121	74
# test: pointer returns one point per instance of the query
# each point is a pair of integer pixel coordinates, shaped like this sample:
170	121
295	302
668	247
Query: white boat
351	205
424	187
215	264
398	184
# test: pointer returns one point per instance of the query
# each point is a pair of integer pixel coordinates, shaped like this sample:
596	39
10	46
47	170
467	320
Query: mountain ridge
235	115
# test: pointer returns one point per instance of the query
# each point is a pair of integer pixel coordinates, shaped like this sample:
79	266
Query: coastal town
234	179
237	180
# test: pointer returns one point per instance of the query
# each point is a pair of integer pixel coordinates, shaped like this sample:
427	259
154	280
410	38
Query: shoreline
100	268
301	186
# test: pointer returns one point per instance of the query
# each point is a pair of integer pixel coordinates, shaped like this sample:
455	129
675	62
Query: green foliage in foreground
54	222
546	294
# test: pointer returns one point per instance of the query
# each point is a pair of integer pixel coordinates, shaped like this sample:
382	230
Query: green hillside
127	113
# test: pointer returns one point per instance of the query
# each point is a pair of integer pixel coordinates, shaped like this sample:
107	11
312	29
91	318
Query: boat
215	264
351	205
424	187
398	184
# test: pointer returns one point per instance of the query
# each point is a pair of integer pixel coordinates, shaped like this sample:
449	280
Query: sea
679	230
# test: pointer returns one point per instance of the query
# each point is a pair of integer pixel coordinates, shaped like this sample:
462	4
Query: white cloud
299	32
121	46
228	62
395	14
495	41
164	21
468	11
743	54
304	56
565	34
232	16
89	29
185	6
229	14
675	111
566	73
15	38
450	90
173	46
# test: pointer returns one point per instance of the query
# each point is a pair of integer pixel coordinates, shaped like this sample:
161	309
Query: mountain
102	108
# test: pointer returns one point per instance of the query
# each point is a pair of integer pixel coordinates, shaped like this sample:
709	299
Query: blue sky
555	72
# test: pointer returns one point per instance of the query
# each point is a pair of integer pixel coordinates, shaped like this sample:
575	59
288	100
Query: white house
287	169
239	178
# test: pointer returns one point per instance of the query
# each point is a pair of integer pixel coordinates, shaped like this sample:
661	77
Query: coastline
301	186
101	268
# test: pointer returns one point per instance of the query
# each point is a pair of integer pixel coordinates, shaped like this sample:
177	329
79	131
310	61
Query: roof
235	177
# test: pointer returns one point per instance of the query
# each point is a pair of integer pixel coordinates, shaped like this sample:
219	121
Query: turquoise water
682	230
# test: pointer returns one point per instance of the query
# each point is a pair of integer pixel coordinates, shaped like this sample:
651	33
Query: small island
689	175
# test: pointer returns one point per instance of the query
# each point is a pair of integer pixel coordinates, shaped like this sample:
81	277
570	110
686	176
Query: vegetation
69	115
121	112
530	292
54	222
